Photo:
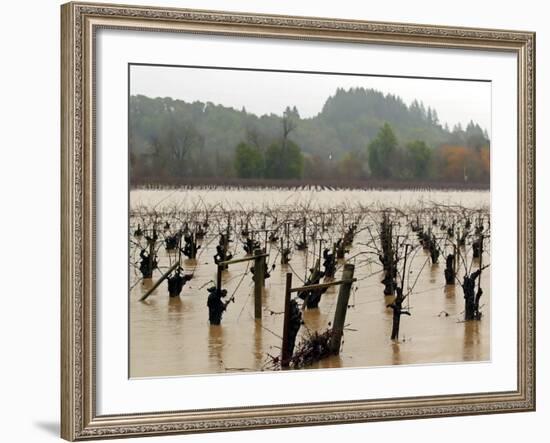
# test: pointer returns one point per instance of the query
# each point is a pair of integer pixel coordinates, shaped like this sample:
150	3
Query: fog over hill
202	138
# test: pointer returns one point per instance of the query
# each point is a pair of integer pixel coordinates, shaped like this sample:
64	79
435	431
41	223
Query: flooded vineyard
403	275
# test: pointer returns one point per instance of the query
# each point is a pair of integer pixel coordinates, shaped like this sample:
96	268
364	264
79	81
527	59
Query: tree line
360	134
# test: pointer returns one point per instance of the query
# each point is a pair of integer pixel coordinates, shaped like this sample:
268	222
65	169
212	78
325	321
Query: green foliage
174	139
248	162
284	161
419	157
382	153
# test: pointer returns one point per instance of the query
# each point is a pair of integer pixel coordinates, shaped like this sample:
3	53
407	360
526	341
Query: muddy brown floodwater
172	336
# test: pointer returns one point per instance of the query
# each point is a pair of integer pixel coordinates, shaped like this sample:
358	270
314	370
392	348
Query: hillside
174	138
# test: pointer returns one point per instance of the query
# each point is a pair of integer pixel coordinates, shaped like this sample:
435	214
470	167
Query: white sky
271	92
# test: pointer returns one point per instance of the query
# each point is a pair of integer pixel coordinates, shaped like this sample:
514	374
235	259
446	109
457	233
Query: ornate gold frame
79	420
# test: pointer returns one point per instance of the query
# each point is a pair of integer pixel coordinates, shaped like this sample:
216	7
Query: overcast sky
261	93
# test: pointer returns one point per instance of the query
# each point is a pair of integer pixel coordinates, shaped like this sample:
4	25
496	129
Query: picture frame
81	22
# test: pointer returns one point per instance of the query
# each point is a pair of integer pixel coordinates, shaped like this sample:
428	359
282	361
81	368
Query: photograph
287	220
278	218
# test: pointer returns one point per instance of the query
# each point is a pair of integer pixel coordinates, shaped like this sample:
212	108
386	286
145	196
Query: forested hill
176	138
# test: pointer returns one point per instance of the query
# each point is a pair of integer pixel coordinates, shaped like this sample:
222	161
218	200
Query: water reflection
471	342
175	305
146	284
450	291
396	353
434	270
216	345
313	319
259	356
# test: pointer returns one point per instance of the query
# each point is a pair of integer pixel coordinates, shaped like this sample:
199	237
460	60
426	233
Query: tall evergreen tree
381	153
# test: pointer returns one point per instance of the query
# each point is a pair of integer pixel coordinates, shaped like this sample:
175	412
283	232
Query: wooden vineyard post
259	268
226	239
341	308
287	235
284	258
480	260
179	247
304	233
151	252
285	357
227	230
404	267
193	246
219	277
455	260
